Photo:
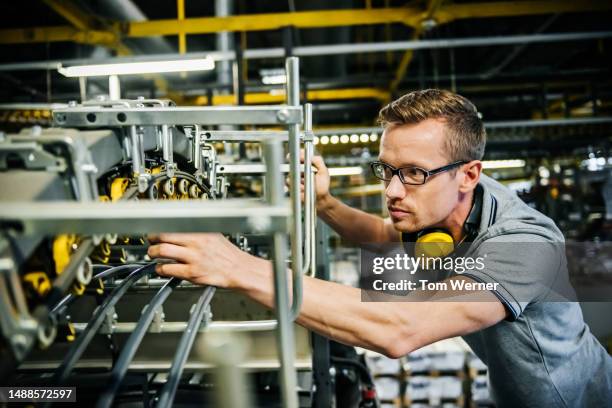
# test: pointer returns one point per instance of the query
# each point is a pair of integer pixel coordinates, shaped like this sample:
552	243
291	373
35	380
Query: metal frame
271	216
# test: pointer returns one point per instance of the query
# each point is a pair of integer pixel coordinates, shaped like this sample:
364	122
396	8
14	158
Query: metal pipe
284	330
132	343
314	50
114	88
135	143
308	185
179	327
292	69
167	145
81	343
166	395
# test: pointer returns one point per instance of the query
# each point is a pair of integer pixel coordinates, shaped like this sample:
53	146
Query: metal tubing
284	330
166	395
292	70
132	343
94	324
114	88
334	49
168	154
135	143
308	185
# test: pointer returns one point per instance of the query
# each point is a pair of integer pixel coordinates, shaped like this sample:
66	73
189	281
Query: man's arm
331	309
352	224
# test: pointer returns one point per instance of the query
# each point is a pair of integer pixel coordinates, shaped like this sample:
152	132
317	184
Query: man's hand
203	259
321	179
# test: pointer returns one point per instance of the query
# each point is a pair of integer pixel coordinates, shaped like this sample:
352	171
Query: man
539	354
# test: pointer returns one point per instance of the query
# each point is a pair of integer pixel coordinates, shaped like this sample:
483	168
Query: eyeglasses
410	174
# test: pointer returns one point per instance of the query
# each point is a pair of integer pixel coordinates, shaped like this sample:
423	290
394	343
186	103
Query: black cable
82	341
166	395
111	271
132	343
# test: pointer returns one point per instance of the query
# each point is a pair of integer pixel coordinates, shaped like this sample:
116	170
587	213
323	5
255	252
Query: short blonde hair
466	135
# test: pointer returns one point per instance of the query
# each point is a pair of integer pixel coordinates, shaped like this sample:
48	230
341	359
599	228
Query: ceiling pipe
318	50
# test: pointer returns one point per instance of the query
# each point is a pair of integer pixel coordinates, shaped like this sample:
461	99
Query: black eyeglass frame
428	173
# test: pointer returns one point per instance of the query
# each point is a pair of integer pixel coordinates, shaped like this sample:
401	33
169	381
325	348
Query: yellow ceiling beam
411	16
273	21
313	95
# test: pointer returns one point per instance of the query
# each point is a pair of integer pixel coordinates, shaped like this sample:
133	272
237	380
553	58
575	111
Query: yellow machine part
62	248
118	187
71	332
39	281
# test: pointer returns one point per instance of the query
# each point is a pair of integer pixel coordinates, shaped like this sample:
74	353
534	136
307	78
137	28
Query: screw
282	115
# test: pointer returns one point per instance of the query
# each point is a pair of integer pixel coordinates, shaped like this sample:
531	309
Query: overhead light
315	140
344	139
345	171
354	138
334	139
134	68
364	138
324	140
502	164
373	137
275	76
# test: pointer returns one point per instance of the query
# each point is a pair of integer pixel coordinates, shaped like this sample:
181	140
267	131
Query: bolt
72	104
282	115
141	98
2	136
36	130
259	224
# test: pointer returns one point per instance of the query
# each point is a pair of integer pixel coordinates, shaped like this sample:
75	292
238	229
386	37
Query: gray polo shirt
543	355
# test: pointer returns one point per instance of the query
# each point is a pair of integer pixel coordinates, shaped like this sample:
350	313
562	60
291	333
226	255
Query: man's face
413	208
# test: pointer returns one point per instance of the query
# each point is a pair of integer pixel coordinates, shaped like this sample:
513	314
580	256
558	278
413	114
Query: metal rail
129	217
95	117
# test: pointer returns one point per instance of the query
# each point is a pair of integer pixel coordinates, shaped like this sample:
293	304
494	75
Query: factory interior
123	119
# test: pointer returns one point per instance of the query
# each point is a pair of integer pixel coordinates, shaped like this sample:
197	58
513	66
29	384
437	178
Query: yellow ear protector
434	243
438	242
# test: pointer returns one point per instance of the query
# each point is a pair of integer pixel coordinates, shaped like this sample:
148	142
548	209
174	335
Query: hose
166	395
82	341
132	343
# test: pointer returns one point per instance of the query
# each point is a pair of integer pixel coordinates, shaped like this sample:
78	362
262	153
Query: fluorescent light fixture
275	76
345	171
502	164
134	68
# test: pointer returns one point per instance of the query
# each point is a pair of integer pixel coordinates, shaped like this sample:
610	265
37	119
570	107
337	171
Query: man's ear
470	176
